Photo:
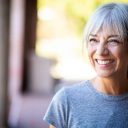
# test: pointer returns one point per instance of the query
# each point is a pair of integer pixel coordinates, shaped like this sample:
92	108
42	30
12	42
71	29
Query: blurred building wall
29	37
4	33
16	49
16	40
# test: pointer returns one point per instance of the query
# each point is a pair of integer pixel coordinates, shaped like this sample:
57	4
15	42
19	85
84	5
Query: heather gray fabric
81	106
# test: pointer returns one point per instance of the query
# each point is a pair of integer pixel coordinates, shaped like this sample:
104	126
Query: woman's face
108	54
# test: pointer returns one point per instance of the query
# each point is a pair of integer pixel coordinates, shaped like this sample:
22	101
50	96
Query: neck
111	86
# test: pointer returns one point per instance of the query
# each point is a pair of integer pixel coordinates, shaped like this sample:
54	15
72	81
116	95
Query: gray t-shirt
82	106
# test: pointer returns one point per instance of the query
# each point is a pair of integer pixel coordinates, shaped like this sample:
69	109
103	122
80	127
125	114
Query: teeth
104	61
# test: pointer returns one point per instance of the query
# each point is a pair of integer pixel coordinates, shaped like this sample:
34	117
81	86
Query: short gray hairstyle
113	16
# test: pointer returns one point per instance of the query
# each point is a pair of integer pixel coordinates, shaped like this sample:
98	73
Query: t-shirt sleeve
56	113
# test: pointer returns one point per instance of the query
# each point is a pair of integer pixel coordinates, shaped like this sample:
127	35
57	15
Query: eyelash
93	40
113	40
90	40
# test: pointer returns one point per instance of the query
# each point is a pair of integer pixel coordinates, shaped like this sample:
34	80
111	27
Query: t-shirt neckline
106	96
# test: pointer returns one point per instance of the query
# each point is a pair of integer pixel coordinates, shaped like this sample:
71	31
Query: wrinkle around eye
114	43
93	42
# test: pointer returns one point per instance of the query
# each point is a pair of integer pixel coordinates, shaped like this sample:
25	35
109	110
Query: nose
102	49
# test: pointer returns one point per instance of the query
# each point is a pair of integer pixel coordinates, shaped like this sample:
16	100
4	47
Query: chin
105	74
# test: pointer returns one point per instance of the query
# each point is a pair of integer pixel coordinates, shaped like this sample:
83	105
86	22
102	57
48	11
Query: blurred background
41	50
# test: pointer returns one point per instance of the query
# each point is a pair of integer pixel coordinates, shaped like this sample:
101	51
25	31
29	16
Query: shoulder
72	90
78	87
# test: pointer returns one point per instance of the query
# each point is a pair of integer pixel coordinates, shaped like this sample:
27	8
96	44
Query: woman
101	102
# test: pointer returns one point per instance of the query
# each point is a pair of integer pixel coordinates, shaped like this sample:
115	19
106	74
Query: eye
114	42
93	41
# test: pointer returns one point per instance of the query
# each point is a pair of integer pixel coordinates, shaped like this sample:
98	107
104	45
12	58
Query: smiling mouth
104	62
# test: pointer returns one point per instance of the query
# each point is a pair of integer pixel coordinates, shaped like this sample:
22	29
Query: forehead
106	30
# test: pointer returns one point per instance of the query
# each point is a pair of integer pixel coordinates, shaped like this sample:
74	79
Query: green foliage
40	4
79	12
76	11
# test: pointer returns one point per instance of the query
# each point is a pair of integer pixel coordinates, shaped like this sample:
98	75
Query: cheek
91	51
118	53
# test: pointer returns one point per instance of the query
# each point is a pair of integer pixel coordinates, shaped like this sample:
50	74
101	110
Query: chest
97	114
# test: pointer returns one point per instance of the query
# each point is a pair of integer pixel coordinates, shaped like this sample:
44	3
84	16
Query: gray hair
112	16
